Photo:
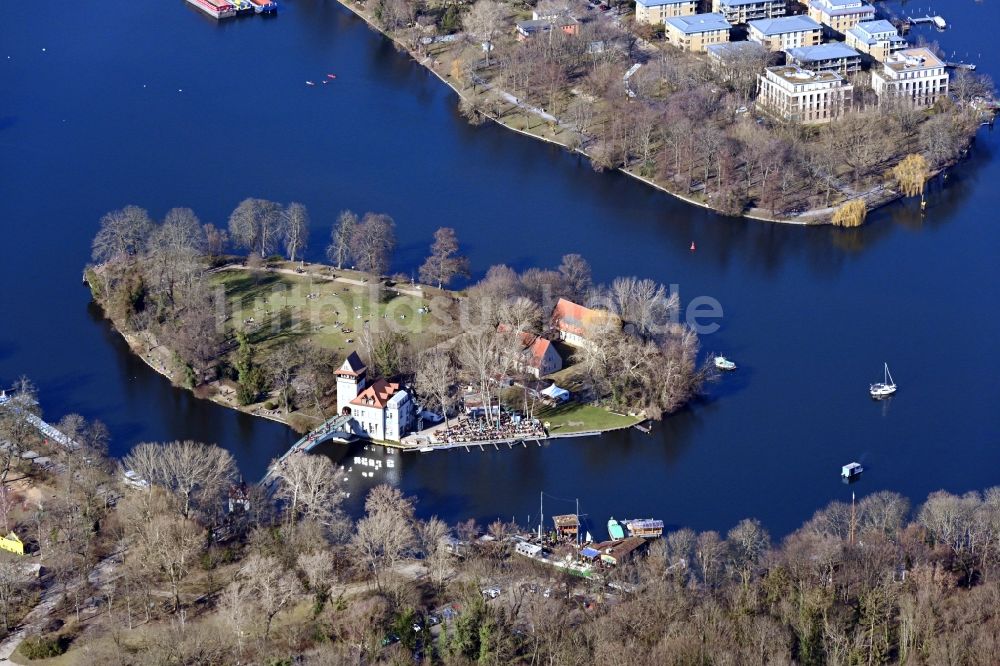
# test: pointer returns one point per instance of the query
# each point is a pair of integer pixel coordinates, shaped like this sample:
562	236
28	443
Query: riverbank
875	197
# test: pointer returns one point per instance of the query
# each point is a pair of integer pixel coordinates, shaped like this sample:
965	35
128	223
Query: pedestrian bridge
334	428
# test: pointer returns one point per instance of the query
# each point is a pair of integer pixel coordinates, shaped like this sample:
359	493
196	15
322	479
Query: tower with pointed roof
352	378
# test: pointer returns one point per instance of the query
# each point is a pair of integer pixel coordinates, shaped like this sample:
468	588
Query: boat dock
937	21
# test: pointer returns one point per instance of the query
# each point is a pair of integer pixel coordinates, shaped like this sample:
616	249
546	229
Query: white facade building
803	96
915	74
381	410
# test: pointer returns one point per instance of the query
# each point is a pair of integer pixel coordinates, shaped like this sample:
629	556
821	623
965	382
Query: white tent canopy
556	393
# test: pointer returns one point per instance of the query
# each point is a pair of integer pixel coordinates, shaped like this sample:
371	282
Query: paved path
102	574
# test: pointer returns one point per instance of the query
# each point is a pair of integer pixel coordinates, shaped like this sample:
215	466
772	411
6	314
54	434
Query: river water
153	104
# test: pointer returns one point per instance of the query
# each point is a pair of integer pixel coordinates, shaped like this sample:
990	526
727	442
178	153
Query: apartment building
800	95
697	32
744	11
655	11
785	32
915	74
879	39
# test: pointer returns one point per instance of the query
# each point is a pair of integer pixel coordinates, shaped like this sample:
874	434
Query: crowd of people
511	427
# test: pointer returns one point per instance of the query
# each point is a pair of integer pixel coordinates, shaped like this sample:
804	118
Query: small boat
615	530
851	471
310	83
693	248
884	388
723	363
325	82
331	76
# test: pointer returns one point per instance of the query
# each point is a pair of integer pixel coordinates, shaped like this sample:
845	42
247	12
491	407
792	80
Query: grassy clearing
277	308
576	417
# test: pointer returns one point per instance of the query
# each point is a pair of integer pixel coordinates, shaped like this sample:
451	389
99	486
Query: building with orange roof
380	409
572	321
540	356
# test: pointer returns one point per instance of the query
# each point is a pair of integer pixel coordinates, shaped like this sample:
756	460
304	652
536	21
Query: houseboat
218	9
647	528
264	6
851	471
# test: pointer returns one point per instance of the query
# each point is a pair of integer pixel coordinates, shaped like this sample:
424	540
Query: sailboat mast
541	512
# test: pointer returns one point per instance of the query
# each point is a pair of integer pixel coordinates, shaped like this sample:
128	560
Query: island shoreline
819	216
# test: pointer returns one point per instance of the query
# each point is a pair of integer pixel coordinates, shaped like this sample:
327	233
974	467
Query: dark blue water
152	104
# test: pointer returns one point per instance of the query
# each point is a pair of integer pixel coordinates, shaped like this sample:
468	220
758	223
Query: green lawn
327	313
577	417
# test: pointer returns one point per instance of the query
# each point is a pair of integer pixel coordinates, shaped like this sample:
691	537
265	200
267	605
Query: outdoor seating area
478	429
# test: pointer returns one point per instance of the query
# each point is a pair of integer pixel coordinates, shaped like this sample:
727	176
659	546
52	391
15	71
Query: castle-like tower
352	378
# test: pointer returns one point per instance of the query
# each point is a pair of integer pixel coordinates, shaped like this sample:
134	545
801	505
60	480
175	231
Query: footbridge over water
337	428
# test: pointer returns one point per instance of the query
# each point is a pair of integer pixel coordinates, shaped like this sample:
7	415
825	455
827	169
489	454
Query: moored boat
264	6
242	7
615	530
647	528
218	9
723	363
884	388
851	471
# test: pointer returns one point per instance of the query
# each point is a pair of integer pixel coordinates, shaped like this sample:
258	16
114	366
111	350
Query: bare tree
444	263
310	485
283	364
168	546
13	583
576	275
435	379
385	534
17	428
372	243
122	236
296	229
272	585
341	238
432	535
484	22
216	240
255	225
197	473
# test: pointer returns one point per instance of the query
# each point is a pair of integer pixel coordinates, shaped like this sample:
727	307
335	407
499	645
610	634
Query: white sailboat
885	388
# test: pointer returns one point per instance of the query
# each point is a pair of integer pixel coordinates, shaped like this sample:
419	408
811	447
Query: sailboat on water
884	388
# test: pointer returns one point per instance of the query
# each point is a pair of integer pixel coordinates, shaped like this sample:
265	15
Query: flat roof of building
721	50
831	51
696	23
909	60
783	25
878	26
799	76
660	3
841	7
740	3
